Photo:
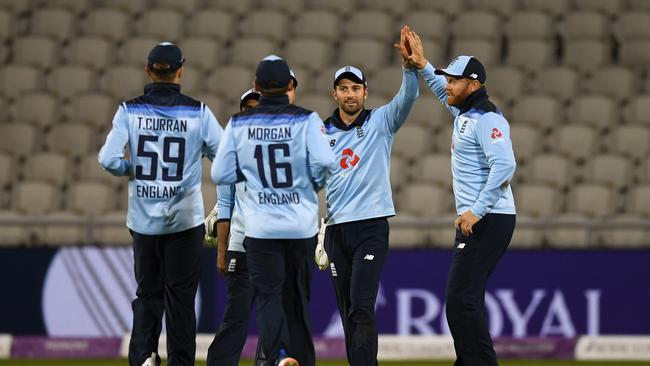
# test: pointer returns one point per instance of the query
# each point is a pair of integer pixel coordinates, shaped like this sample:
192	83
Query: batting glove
210	234
322	261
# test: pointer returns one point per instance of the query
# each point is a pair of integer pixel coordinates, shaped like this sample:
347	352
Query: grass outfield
21	362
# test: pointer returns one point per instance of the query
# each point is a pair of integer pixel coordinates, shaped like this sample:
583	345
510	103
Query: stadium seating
571	77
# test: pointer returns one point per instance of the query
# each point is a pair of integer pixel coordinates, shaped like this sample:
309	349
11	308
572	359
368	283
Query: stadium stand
571	75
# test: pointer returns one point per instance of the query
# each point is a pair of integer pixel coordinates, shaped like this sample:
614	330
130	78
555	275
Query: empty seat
37	51
202	53
19	138
372	24
634	25
72	139
436	53
557	81
429	112
638	110
424	200
163	24
643	173
607	7
614	81
484	51
476	25
38	108
591	200
586	54
530	54
65	228
95	109
92	51
6	25
526	141
15	7
17	79
268	24
230	81
375	101
612	170
134	51
53	23
250	51
13	235
433	169
639	5
551	169
444	236
530	25
391	7
632	140
114	234
386	81
192	80
91	171
412	141
572	234
399	172
594	110
428	25
403	236
506	82
234	7
442	137
82	193
626	237
575	141
537	200
211	23
321	104
585	25
538	110
501	7
638	201
70	80
112	24
48	167
320	24
124	82
311	54
367	54
635	53
34	197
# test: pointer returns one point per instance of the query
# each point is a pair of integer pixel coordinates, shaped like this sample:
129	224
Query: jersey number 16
274	165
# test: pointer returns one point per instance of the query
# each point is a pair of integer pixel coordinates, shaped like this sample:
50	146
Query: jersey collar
335	119
162	88
276	99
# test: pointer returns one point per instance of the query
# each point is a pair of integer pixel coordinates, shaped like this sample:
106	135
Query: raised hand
416	56
403	47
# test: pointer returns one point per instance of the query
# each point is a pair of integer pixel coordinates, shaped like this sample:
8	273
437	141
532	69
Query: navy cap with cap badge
166	53
464	67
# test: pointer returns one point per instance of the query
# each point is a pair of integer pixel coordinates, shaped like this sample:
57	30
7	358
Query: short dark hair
162	71
274	92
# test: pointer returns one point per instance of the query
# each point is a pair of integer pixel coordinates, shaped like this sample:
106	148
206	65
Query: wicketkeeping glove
210	234
322	261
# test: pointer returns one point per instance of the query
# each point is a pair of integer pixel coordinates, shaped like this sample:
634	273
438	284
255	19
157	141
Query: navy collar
274	100
162	88
474	99
336	120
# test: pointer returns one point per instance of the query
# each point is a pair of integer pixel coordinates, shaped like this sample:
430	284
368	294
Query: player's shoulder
288	113
180	100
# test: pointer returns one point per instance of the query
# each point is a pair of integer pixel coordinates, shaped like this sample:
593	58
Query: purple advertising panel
530	294
87	292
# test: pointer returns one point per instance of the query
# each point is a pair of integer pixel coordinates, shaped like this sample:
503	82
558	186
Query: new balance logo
333	269
461	246
369	257
232	266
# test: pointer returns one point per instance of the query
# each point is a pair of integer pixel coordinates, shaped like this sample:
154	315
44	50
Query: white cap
356	74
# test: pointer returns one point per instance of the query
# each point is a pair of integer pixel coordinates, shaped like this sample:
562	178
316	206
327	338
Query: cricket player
359	199
482	165
278	149
167	133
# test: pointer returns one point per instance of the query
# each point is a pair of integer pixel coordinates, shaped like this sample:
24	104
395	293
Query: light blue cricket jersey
359	188
482	159
281	153
167	133
229	205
